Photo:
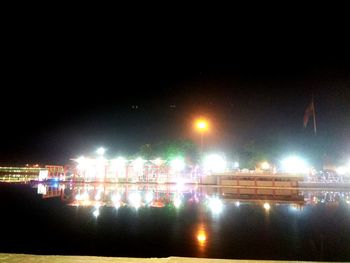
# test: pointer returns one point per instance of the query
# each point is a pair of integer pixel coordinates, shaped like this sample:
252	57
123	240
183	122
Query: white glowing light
265	165
214	163
237	203
149	197
158	161
118	163
215	205
41	189
117	205
98	197
177	202
177	164
101	151
82	197
342	170
138	164
43	174
81	163
295	164
135	200
267	206
235	165
180	182
96	213
116	198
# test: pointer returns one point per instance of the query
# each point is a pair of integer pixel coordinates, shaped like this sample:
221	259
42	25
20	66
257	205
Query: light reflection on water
214	198
166	220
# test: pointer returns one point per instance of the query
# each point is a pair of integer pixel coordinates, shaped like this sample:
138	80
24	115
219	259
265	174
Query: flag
310	111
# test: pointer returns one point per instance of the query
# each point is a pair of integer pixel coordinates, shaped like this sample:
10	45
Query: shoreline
10	258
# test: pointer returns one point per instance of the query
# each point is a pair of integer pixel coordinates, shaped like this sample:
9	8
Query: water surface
178	220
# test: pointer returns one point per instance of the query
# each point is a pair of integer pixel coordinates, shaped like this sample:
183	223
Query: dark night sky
65	93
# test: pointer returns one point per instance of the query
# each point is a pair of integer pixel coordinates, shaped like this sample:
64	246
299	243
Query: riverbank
11	258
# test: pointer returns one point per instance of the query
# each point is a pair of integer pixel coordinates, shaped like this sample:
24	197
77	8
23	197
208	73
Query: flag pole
314	114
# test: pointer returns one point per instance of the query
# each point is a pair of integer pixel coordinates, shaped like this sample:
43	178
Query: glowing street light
202	126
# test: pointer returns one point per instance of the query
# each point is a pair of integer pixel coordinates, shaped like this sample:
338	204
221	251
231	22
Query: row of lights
218	163
211	163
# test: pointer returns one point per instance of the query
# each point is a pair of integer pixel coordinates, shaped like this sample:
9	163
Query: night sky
66	94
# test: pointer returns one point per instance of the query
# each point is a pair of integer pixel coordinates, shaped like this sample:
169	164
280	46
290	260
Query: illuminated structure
123	170
12	174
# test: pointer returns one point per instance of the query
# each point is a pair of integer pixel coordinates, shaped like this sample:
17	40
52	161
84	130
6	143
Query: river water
176	220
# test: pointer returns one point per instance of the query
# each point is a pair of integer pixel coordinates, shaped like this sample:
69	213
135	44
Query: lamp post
202	126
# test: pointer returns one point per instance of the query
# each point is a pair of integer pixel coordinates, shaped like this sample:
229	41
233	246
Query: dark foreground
10	258
307	226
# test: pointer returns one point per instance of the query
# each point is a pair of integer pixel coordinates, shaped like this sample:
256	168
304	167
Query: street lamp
202	126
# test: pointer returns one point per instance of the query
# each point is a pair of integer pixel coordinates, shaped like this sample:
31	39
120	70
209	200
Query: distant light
342	170
43	174
98	197
202	124
267	206
135	199
158	161
101	151
82	197
235	165
177	202
214	163
119	163
201	237
215	205
237	203
178	164
41	189
149	197
265	165
84	163
96	213
295	164
293	207
138	164
117	205
116	198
